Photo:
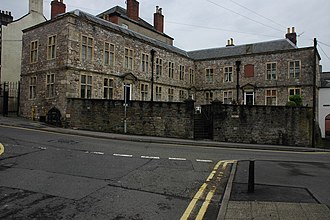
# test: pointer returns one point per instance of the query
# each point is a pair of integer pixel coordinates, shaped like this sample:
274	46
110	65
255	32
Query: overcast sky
199	24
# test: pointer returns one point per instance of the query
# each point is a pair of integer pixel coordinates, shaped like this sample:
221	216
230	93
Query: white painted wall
11	51
324	108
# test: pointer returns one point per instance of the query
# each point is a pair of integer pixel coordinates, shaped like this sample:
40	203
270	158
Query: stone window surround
34	51
270	73
51	47
158	93
181	72
191	76
228	74
33	87
50	85
227	96
170	95
144	91
294	91
109	54
270	94
209	75
86	86
108	88
87	48
159	66
296	72
145	62
171	69
128	58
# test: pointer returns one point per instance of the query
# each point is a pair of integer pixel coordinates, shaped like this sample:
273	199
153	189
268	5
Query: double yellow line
202	192
2	149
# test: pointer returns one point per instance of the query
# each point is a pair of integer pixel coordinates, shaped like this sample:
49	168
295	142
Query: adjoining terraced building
117	55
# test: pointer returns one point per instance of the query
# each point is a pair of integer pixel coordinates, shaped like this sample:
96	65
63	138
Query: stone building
11	39
116	55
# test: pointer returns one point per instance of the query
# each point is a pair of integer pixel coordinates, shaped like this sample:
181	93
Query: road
57	176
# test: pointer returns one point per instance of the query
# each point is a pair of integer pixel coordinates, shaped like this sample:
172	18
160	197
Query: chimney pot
159	20
291	35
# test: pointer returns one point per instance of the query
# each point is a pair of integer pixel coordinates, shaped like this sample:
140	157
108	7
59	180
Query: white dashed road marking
175	158
150	157
122	155
204	161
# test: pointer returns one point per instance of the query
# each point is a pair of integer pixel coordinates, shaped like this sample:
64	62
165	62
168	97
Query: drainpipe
314	93
238	64
152	52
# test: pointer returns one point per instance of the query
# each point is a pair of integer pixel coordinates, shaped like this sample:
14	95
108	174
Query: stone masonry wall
143	118
277	125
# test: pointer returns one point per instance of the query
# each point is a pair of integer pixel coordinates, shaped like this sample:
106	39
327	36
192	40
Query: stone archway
54	117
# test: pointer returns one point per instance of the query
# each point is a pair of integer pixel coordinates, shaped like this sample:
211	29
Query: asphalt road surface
46	175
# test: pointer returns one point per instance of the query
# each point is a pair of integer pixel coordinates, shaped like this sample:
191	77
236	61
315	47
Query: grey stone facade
73	76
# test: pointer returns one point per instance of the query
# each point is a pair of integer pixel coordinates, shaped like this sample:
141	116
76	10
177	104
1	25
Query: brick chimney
57	7
291	35
133	9
159	20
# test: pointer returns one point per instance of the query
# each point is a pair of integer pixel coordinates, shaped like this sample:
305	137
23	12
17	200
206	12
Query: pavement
269	201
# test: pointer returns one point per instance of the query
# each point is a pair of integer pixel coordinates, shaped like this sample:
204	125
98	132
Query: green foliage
297	99
291	104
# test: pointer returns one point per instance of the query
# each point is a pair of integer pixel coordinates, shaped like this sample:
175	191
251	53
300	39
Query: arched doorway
54	117
327	125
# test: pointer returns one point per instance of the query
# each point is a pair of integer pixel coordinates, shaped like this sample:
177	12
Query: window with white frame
228	71
294	69
51	47
50	85
33	87
271	69
227	97
109	54
209	75
144	92
145	62
128	59
86	87
108	88
271	97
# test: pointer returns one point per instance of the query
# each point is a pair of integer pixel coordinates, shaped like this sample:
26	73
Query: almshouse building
117	56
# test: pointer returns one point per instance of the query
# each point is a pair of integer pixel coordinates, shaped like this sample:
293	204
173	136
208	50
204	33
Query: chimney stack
291	35
5	17
159	20
133	9
57	7
230	43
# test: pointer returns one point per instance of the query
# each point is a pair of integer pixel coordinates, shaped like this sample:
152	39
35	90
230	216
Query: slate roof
205	54
128	32
123	13
262	47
